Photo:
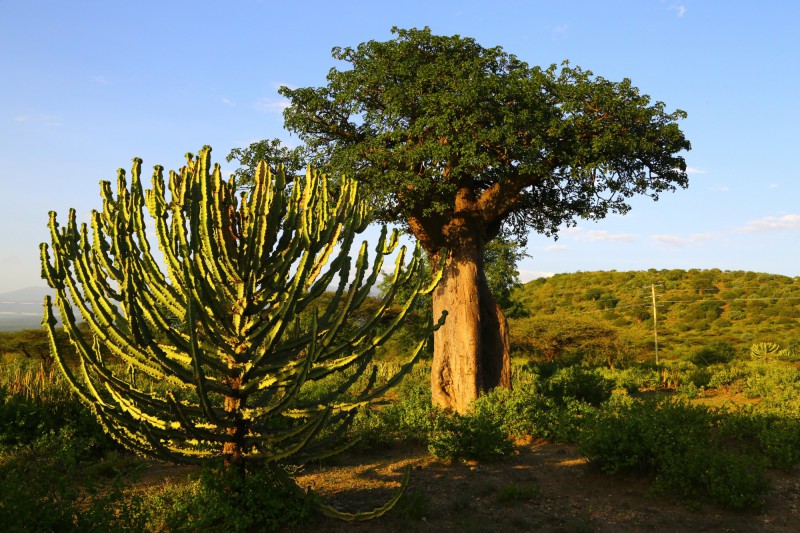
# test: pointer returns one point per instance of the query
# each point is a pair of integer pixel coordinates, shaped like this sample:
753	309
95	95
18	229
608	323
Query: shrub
718	352
514	493
579	383
680	445
471	436
634	378
219	501
410	419
35	403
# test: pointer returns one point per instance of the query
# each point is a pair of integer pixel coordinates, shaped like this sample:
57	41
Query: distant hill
22	309
694	307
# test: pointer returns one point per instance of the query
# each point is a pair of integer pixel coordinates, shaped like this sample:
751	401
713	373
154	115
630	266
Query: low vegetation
707	425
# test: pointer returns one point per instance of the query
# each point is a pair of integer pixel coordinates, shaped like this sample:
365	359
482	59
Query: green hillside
694	308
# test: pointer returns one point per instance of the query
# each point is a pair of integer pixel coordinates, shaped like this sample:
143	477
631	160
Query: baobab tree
460	144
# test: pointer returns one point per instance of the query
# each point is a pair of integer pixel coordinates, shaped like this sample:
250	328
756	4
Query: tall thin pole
655	320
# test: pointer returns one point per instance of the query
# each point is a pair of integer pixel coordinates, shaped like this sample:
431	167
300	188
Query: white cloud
52	120
692	170
278	84
227	101
774	186
268	105
530	275
680	242
604	235
559	32
556	248
679	9
784	223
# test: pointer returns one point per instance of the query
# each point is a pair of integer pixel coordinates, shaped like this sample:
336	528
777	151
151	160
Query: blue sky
89	85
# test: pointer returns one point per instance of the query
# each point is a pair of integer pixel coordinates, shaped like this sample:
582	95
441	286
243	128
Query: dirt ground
543	487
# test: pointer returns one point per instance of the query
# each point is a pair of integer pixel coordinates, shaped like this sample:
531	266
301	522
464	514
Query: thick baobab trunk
471	351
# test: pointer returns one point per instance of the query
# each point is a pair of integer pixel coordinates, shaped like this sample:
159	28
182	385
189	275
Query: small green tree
556	336
222	328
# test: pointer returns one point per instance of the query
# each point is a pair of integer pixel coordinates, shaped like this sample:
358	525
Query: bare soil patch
541	487
557	491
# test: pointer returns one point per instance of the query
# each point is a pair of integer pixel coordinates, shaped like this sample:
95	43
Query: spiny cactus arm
262	221
382	249
207	253
329	447
49	322
97	251
135	442
290	378
217	232
365	332
177	343
159	211
118	341
339	267
119	226
214	318
111	383
360	363
359	289
96	372
201	431
144	426
325	229
85	389
332	512
104	227
94	283
140	416
350	301
164	293
329	365
89	268
369	393
66	246
206	281
193	453
105	318
310	430
335	441
286	309
264	437
199	375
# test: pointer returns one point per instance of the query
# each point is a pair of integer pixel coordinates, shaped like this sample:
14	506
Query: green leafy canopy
423	118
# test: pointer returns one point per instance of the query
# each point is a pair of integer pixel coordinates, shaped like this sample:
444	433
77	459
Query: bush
681	445
730	376
634	378
475	435
718	352
526	411
578	383
35	404
222	501
410	419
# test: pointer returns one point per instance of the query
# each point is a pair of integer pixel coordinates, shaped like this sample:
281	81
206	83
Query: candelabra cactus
218	315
